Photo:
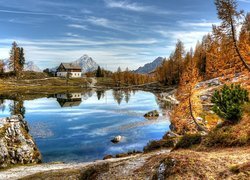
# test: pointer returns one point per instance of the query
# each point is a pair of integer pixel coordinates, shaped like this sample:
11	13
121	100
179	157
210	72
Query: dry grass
212	120
188	164
42	85
242	129
181	118
24	75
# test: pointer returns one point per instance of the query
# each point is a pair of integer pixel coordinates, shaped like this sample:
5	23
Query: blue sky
126	33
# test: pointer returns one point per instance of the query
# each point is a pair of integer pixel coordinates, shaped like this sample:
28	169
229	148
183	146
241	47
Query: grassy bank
39	82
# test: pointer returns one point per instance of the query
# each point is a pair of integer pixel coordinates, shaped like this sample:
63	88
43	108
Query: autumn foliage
219	54
126	78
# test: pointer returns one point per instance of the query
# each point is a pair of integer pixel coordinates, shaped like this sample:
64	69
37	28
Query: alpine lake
79	126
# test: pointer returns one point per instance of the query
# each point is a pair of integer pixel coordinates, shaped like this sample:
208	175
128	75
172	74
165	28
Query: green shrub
188	140
228	102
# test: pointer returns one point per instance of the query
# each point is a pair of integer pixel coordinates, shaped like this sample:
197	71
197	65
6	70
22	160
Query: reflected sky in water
68	128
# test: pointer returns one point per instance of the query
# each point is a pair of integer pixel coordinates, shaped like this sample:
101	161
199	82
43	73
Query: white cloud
72	34
30	13
72	42
4	52
127	5
100	21
86	11
78	26
189	38
132	6
202	24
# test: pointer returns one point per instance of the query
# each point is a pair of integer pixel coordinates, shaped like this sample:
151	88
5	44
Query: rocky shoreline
17	147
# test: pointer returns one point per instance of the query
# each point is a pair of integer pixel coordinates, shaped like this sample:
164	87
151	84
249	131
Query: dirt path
93	83
22	171
118	167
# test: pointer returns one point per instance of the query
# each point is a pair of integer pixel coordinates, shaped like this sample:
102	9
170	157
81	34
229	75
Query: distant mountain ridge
149	67
29	66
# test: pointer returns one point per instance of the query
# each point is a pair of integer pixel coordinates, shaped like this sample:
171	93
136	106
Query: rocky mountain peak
87	63
149	67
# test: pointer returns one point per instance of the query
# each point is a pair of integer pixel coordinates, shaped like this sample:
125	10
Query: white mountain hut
69	70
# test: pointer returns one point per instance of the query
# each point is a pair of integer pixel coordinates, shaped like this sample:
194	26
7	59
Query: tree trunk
237	48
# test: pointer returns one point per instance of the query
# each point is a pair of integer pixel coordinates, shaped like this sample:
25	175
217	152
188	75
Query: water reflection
69	99
120	95
74	99
78	126
2	105
100	94
165	106
17	107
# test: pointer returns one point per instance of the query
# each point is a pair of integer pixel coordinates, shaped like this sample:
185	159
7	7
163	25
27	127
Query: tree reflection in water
68	99
100	94
120	95
17	107
2	105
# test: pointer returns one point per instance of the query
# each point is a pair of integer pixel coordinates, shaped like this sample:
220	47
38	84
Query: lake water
79	126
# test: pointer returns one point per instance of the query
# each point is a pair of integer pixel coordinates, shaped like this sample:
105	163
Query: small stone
161	171
204	97
116	139
199	119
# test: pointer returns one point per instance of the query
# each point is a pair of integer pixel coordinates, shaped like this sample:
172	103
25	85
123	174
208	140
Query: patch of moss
92	172
212	120
121	155
235	169
246	108
164	143
25	133
2	132
188	140
108	157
